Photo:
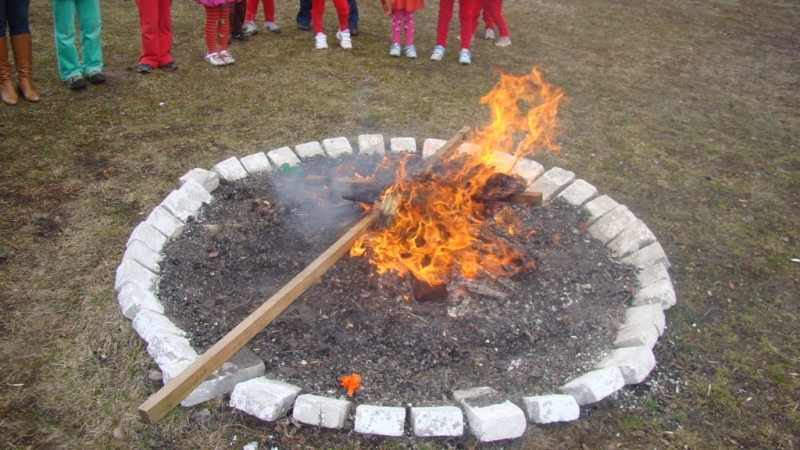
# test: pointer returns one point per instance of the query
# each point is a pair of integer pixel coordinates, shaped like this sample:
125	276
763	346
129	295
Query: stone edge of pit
632	360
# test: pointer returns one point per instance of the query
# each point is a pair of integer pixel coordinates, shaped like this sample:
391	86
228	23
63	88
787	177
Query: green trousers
88	15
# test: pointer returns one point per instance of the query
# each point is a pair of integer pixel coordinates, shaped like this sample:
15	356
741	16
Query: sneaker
438	53
170	66
411	52
214	59
240	36
272	27
394	50
344	39
321	41
504	41
76	82
303	26
144	68
489	36
226	56
96	77
354	32
465	58
249	28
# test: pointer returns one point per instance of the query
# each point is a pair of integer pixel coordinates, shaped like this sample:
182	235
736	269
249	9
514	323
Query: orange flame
439	224
351	383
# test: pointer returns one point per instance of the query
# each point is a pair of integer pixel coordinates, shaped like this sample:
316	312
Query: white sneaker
438	53
344	39
489	34
394	50
272	27
214	59
249	28
411	52
321	41
504	41
465	58
226	56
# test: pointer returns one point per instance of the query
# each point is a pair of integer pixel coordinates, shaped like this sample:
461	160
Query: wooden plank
344	181
169	396
530	197
448	148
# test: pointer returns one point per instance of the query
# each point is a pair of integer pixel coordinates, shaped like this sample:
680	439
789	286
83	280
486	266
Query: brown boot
7	91
23	59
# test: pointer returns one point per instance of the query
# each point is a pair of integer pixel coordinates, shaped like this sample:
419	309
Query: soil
523	335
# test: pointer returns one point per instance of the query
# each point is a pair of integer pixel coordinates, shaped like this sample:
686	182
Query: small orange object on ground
351	382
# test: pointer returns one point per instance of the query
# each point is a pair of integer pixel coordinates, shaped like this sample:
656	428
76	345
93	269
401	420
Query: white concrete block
469	149
645	257
471	394
167	348
636	236
578	193
551	408
653	273
431	146
436	421
208	179
149	236
180	205
230	169
149	324
336	147
403	144
269	400
552	182
165	223
321	411
495	422
635	363
256	163
599	207
196	192
640	334
143	255
242	366
652	314
129	271
283	155
502	162
611	225
134	297
371	144
660	292
309	149
528	169
380	420
594	386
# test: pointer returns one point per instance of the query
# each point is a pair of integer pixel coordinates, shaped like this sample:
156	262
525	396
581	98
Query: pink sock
397	20
409	28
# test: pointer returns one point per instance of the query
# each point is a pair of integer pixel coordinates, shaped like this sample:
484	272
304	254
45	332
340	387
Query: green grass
685	111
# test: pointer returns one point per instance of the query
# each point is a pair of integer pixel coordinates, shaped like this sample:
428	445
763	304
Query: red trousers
155	23
467	16
318	10
493	12
252	9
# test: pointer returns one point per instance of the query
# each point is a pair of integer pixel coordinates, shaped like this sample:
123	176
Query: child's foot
214	59
394	50
226	56
321	41
344	39
272	27
504	41
240	36
464	58
489	34
411	52
438	53
249	28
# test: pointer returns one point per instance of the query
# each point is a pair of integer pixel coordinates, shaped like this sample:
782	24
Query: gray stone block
230	169
143	255
551	408
166	349
242	366
660	292
437	421
647	256
495	422
149	236
431	146
336	147
652	314
403	144
180	205
599	207
150	324
269	400
196	192
129	271
611	225
635	363
552	182
578	193
636	236
653	273
640	334
594	386
208	179
256	163
133	297
371	144
321	411
309	149
165	223
380	420
528	169
283	155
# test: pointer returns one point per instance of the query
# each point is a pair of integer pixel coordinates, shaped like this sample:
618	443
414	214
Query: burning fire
444	222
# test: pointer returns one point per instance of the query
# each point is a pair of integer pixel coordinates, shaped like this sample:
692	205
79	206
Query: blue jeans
304	15
15	14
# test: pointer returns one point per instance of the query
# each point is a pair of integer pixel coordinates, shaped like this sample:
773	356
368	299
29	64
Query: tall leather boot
23	59
7	91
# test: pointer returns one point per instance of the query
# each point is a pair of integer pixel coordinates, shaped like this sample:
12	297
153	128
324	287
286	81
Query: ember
447	220
351	383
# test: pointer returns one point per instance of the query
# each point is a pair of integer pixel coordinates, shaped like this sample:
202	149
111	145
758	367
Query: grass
685	111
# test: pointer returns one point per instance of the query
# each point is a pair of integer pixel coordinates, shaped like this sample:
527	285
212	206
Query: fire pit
519	334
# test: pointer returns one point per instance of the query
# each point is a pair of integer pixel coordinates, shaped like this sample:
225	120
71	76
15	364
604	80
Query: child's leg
224	28
497	14
343	13
269	10
467	15
409	17
211	28
397	21
488	18
443	23
317	11
252	9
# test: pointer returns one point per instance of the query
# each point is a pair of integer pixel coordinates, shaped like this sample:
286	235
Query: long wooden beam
169	396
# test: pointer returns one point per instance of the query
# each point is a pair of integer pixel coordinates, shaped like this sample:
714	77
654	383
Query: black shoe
96	77
304	26
144	68
354	32
169	66
240	37
76	82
